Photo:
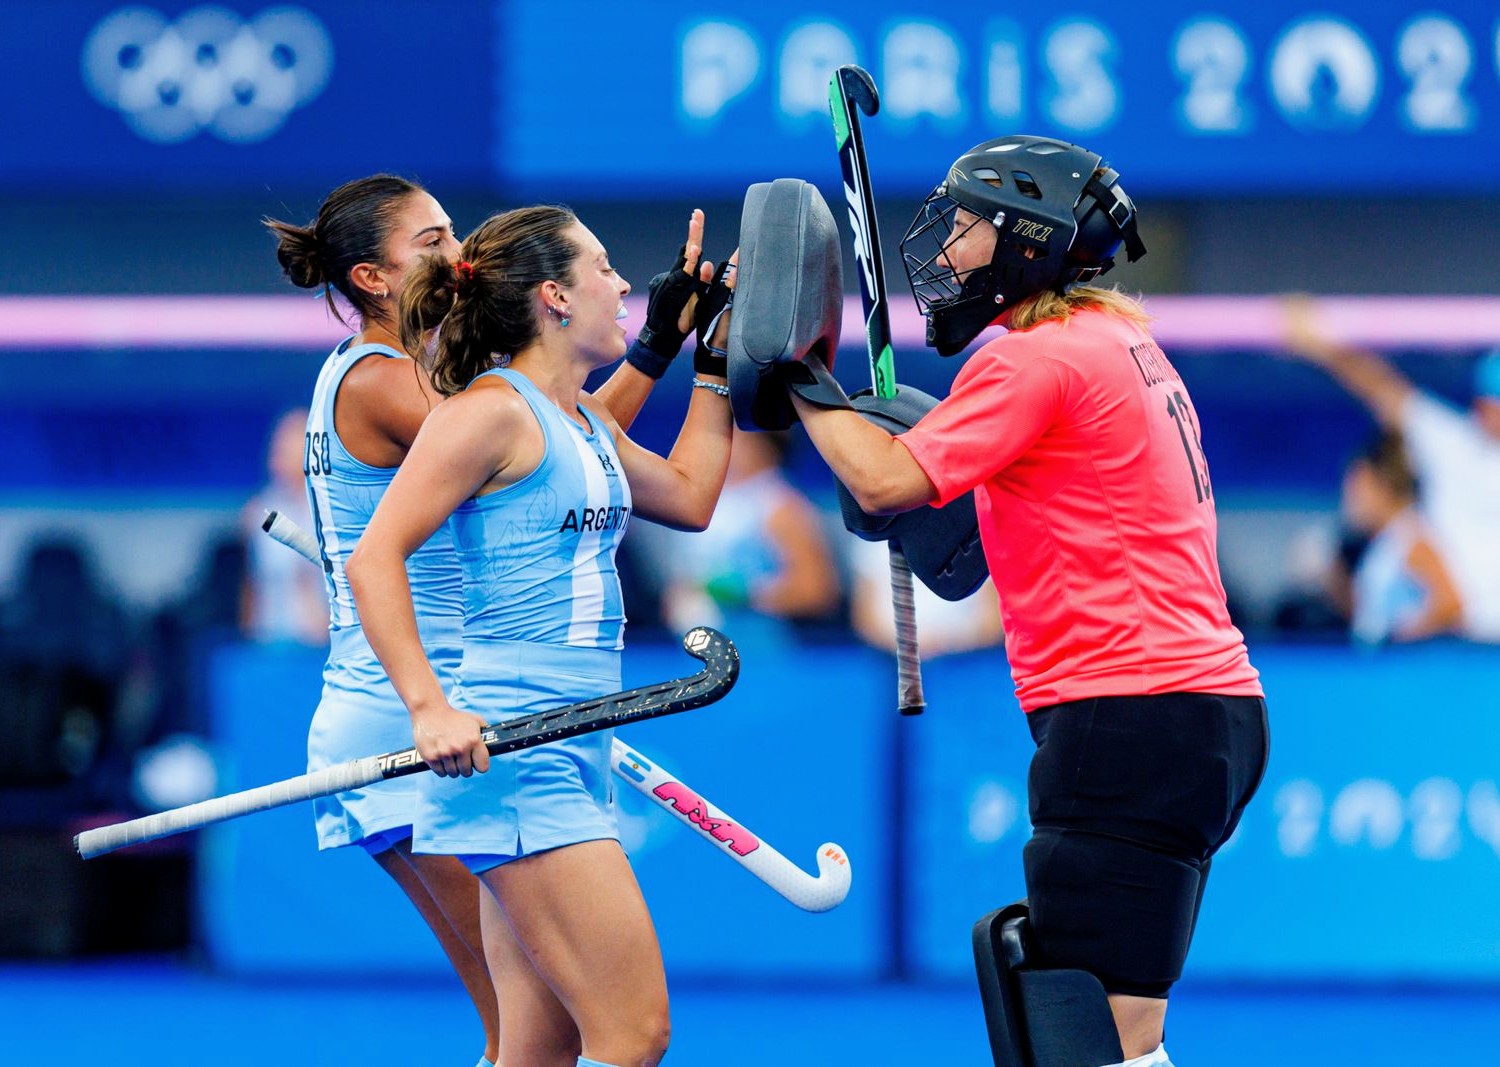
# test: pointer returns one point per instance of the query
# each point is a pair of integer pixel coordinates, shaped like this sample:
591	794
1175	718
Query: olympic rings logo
210	70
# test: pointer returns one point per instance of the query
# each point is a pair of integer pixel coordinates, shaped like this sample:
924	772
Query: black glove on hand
660	339
711	307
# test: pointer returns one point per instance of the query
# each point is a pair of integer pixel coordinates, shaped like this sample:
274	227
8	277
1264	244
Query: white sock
1157	1057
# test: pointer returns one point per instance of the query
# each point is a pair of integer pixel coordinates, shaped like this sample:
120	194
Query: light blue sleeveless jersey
360	713
343	493
538	557
543	622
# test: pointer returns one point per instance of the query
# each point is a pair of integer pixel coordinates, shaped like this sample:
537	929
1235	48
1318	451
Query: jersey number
316	458
1187	428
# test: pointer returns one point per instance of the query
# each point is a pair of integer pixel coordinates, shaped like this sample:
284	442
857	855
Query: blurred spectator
764	553
1456	458
1401	589
64	650
943	626
183	635
60	614
1319	601
171	764
283	597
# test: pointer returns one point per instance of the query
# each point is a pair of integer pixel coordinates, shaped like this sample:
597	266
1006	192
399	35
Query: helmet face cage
959	304
934	280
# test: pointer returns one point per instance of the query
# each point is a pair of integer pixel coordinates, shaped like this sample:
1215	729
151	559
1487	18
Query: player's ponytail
352	226
427	299
485	308
297	252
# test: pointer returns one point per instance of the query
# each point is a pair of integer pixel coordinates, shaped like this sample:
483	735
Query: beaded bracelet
713	387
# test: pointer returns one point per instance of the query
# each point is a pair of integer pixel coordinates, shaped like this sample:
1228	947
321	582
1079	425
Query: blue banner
796	756
661	99
1371	852
271	903
268	901
243	95
1285	96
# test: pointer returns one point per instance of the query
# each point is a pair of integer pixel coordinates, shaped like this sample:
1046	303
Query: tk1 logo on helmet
1033	231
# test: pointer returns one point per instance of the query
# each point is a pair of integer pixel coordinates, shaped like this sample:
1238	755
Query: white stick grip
811	893
352	775
908	659
293	536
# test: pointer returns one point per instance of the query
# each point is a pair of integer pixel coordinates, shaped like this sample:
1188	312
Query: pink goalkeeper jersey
1095	510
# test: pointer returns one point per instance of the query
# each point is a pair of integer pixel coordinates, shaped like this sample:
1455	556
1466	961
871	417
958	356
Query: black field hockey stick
661	787
721	667
851	91
819	892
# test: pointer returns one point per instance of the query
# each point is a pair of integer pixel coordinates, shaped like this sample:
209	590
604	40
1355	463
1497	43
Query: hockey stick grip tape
293	536
351	775
908	661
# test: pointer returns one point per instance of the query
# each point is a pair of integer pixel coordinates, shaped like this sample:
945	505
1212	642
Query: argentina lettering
597	520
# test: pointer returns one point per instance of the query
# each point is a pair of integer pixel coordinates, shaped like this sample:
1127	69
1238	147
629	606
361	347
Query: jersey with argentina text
1096	512
538	556
343	493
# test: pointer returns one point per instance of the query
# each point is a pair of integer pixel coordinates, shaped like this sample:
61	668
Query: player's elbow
355	569
876	502
696	515
362	567
890	492
887	480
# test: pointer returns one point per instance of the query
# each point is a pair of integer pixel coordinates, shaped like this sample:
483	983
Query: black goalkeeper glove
660	339
712	305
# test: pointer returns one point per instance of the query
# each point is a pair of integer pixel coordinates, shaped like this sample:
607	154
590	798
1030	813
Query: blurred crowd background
156	648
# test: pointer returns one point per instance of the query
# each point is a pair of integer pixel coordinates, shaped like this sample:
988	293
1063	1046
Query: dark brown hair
353	226
486	310
1385	456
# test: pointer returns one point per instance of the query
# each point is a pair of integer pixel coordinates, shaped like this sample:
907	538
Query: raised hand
673	294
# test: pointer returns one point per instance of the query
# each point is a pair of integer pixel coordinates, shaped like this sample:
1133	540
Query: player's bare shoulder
380	380
491	422
489	405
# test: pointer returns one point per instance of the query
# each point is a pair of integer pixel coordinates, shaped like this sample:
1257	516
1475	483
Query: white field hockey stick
811	893
721	667
853	90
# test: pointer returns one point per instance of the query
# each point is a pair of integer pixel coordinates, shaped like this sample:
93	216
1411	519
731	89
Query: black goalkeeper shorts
1130	799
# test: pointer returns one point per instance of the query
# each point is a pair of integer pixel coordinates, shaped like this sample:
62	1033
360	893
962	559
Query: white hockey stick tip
821	892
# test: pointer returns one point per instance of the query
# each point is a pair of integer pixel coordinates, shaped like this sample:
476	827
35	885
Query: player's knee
636	1037
655	1034
1112	907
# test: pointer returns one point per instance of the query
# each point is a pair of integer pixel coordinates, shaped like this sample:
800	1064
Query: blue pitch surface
162	1014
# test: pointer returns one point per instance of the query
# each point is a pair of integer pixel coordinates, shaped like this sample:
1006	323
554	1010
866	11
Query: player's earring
562	317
